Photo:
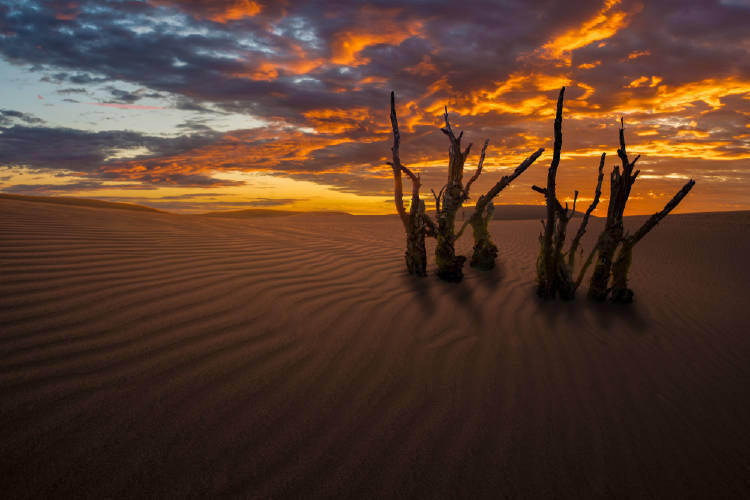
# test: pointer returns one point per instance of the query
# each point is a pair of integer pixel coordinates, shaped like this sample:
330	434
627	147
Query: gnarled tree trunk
417	223
620	185
485	251
547	262
554	273
607	267
621	266
450	266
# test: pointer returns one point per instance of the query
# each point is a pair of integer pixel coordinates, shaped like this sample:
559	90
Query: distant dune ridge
502	212
82	202
146	354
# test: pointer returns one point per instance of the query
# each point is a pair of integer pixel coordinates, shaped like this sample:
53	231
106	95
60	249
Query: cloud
70	187
10	116
317	75
89	153
124	106
272	202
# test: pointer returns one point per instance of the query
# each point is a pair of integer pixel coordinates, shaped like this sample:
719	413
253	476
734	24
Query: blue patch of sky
22	89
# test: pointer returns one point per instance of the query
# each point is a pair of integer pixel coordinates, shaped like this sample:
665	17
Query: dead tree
620	291
582	229
554	272
612	236
485	250
447	203
417	223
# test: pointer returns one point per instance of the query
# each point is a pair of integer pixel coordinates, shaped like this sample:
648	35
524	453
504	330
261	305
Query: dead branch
485	250
548	261
658	216
479	170
417	223
584	222
621	266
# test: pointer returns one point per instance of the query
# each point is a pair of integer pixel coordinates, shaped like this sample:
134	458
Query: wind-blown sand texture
149	354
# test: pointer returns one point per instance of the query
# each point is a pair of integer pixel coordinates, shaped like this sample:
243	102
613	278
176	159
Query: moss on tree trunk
607	246
485	251
417	223
416	252
620	268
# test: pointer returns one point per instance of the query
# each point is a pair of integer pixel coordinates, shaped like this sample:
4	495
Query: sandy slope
146	354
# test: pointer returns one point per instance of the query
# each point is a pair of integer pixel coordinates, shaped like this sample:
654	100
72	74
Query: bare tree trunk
564	279
450	266
547	262
485	251
417	223
611	237
584	222
606	247
416	252
554	271
620	291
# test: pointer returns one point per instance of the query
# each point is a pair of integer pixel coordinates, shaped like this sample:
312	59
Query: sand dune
148	354
81	202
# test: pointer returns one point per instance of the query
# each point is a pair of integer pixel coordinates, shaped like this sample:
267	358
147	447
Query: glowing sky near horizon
194	106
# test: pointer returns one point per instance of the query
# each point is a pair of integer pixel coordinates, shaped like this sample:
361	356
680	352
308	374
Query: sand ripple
147	354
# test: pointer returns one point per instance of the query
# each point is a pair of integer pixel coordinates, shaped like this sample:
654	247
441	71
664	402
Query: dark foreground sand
147	354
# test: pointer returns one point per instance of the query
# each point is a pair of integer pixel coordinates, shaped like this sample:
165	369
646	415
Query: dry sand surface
156	355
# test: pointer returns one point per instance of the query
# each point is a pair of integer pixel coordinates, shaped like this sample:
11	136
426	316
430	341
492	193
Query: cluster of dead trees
555	267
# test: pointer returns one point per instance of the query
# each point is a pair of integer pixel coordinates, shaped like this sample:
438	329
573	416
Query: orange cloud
654	81
220	12
637	54
378	27
604	24
337	121
257	150
668	99
519	94
706	150
240	9
589	65
266	69
424	68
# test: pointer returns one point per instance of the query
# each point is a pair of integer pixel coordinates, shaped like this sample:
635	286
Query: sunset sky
193	106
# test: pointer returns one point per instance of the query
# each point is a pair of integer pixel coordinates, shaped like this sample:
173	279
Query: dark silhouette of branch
658	216
621	267
584	222
548	262
481	213
417	223
507	179
398	189
479	170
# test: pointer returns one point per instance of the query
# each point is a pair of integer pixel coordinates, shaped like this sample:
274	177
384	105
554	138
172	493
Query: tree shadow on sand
602	316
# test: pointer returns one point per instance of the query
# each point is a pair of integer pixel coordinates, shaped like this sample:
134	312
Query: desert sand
147	354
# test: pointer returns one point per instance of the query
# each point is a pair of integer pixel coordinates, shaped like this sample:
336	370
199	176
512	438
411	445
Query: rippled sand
148	354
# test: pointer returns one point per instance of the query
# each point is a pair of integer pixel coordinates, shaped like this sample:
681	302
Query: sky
193	106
